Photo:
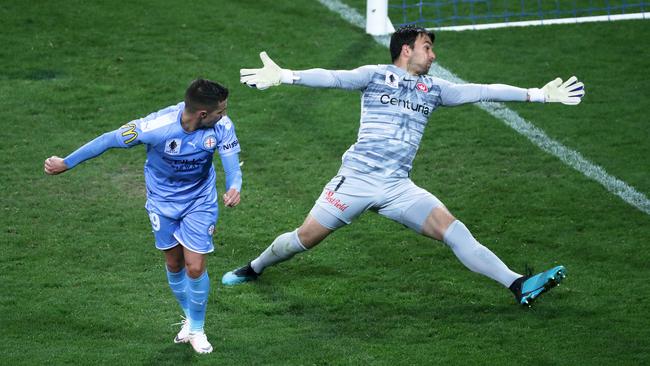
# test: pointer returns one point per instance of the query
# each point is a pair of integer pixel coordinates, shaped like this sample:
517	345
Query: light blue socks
178	283
199	289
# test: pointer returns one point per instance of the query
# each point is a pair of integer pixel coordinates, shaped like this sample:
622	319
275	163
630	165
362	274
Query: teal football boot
240	275
528	288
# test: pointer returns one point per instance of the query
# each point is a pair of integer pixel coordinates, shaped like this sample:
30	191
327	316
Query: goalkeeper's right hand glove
270	75
570	92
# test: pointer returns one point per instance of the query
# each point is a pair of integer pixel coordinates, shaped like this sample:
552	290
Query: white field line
538	137
528	23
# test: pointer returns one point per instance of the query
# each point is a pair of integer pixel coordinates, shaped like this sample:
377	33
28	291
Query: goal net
482	14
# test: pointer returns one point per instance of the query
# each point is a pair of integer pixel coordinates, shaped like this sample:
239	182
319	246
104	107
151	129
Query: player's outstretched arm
272	74
569	92
54	165
269	75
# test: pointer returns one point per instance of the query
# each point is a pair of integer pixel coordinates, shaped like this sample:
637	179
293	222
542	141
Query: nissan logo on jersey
229	146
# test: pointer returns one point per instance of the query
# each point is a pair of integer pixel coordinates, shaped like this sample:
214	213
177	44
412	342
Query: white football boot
200	343
184	335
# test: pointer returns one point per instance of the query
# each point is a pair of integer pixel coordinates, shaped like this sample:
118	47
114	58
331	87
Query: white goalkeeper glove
270	75
570	92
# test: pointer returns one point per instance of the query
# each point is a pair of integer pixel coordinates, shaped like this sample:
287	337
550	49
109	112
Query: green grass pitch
80	279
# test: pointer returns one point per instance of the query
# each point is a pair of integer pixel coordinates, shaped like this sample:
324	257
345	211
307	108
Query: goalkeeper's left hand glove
270	75
570	92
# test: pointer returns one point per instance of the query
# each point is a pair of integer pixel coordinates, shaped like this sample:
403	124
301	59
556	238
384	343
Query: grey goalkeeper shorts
350	193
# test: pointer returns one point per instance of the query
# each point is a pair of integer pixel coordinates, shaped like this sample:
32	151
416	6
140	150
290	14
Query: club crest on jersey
392	79
210	142
173	147
422	87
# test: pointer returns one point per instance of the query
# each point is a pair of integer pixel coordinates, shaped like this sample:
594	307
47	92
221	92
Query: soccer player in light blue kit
181	188
397	101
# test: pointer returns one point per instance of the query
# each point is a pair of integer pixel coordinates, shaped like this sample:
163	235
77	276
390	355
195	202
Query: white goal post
377	21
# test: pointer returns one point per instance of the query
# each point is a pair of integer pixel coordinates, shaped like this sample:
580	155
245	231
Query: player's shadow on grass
441	302
173	354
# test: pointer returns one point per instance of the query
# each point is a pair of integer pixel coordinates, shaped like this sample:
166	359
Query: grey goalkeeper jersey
395	108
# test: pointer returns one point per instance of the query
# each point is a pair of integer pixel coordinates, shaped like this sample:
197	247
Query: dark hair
204	94
406	35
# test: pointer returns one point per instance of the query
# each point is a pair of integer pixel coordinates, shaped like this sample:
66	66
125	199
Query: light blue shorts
190	225
350	193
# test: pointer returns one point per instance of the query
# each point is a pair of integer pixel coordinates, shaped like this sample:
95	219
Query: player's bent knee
194	263
175	267
312	232
194	271
174	259
437	223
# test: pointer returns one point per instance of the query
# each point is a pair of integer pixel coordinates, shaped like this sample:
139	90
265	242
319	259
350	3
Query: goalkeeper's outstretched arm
570	92
272	75
269	75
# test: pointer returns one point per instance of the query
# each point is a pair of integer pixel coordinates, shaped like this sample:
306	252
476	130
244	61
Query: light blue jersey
179	175
179	164
395	109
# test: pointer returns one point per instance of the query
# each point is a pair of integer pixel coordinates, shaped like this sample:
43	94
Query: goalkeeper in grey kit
397	100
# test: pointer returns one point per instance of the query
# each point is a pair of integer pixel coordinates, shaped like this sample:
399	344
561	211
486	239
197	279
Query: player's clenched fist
231	198
54	165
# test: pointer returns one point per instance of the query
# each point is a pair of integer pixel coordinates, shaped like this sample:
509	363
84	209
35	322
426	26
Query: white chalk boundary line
538	137
528	23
